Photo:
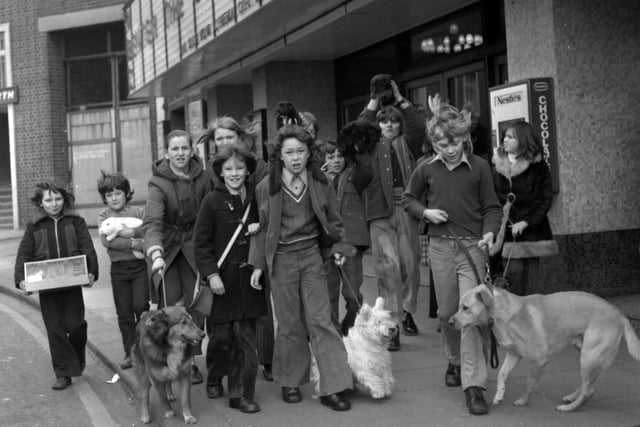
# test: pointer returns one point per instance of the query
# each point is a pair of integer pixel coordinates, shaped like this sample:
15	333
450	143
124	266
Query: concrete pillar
590	48
310	85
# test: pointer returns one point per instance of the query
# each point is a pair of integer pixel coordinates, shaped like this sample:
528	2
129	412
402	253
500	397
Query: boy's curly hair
449	122
112	181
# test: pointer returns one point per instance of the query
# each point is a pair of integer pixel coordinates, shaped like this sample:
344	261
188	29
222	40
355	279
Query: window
95	61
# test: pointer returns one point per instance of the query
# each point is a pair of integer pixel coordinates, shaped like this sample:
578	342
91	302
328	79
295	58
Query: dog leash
344	278
494	360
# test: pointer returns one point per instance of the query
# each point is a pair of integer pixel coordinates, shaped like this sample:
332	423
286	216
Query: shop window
96	67
90	81
87	41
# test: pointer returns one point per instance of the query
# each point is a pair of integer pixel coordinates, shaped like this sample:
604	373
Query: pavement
420	397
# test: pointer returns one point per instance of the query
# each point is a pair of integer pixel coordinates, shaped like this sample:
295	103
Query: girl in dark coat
236	304
57	231
521	170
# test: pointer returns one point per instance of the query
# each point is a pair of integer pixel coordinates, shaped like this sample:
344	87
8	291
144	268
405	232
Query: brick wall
32	119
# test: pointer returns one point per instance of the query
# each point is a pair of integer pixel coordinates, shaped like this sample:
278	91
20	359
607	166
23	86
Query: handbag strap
235	236
226	251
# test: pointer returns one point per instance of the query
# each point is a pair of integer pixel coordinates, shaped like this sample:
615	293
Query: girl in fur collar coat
520	170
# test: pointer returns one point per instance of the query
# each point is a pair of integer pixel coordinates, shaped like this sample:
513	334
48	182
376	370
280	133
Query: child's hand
518	228
252	229
215	282
339	259
92	279
158	265
255	279
22	287
435	216
487	240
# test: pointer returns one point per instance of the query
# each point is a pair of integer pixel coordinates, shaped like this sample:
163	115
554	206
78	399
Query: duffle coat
530	182
220	214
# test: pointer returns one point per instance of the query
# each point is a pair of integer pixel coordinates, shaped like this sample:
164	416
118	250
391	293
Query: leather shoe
291	394
214	388
196	376
266	372
243	404
475	401
61	383
409	326
452	376
394	344
336	401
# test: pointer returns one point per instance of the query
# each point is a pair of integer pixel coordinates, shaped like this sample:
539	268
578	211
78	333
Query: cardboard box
56	273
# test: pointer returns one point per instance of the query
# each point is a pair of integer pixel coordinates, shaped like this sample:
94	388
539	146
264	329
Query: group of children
302	224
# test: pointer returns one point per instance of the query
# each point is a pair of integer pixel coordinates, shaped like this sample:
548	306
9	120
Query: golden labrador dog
162	354
536	326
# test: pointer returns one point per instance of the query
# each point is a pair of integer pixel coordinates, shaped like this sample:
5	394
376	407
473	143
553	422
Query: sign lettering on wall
9	95
160	33
531	100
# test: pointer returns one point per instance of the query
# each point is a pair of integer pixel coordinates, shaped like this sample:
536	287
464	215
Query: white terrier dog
367	353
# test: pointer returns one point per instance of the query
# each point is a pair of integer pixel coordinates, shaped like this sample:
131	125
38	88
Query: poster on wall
531	100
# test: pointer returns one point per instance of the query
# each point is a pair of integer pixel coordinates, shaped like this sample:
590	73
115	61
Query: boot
214	388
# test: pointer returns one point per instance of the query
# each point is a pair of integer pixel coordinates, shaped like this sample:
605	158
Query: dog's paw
169	414
521	402
564	408
189	419
497	400
380	395
145	419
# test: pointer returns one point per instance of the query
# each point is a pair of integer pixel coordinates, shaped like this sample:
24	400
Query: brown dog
162	354
536	326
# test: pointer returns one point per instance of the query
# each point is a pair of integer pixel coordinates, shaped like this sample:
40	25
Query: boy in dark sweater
461	209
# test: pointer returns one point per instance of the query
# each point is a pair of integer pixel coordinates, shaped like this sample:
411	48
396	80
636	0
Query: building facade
188	61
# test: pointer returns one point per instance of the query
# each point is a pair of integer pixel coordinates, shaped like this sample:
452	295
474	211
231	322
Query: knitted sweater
465	193
119	249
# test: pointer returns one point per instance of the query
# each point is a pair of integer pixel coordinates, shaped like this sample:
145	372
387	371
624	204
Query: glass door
465	88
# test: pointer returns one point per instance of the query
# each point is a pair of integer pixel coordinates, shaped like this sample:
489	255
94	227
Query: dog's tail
633	343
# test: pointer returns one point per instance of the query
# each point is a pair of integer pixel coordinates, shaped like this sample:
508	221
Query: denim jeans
452	277
395	247
301	306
